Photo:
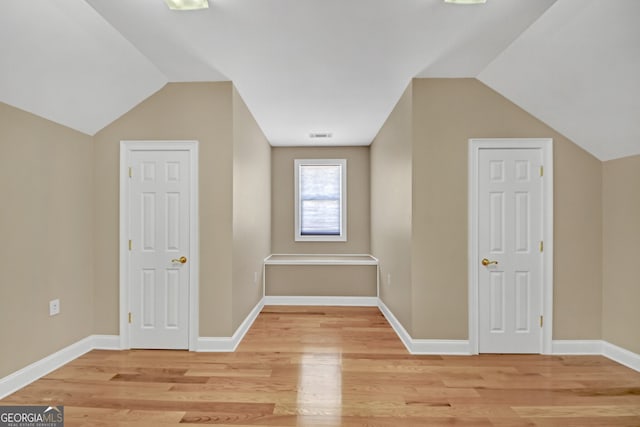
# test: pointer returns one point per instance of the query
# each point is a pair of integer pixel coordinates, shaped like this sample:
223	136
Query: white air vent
319	135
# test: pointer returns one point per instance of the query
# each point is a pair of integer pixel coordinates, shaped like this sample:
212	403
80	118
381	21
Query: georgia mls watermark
31	416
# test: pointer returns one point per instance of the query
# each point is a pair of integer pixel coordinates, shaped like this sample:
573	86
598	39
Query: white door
159	229
509	263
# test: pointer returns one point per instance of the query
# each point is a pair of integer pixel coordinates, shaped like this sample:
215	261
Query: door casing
126	147
546	146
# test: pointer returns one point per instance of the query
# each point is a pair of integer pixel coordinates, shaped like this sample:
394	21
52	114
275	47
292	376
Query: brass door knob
181	260
486	262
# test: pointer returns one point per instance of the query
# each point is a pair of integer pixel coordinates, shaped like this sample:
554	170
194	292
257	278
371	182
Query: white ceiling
334	66
62	61
577	68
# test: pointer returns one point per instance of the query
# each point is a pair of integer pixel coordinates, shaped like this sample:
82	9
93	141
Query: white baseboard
577	347
597	348
422	346
444	347
559	347
621	355
397	326
25	376
216	344
337	301
229	344
106	342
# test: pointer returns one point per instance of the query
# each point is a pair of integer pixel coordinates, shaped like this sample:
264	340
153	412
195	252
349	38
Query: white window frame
342	237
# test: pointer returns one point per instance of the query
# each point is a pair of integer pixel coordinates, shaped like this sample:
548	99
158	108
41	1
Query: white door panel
159	224
509	235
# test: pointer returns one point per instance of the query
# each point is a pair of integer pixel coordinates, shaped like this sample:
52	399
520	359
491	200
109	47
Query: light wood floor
329	366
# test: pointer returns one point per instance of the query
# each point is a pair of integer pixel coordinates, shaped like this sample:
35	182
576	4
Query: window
321	192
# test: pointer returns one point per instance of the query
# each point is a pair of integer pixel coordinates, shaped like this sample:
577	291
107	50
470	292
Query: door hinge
130	244
541	170
541	321
541	246
130	172
130	317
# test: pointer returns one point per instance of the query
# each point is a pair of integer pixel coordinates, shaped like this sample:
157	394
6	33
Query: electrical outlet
388	279
54	307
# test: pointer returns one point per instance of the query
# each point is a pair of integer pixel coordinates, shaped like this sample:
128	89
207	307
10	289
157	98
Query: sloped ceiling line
329	66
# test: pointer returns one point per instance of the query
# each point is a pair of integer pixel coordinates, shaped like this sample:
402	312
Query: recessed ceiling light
314	135
466	1
187	4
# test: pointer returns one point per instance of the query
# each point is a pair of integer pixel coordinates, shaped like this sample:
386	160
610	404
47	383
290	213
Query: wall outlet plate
54	307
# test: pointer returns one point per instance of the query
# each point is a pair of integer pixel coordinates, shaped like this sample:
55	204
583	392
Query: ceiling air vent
320	135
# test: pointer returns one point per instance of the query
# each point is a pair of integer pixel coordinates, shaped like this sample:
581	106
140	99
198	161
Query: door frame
126	148
546	145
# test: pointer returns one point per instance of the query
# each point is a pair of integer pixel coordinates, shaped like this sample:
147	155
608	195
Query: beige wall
578	243
180	111
234	175
282	200
321	280
251	209
47	234
391	176
61	208
621	292
445	114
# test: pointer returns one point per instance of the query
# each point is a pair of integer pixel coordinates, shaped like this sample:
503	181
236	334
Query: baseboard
621	355
216	344
577	347
400	331
422	346
597	348
229	344
25	376
105	342
313	300
443	347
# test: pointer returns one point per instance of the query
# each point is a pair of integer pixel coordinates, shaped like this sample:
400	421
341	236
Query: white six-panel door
159	249
510	232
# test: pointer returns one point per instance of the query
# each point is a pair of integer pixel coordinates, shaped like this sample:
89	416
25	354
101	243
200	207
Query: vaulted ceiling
335	66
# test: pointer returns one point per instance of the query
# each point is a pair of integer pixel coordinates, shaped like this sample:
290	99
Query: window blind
320	194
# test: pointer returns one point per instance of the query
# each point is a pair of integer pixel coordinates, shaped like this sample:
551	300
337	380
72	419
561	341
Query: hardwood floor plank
558	411
335	366
107	417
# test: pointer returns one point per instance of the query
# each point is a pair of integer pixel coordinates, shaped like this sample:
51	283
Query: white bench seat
288	276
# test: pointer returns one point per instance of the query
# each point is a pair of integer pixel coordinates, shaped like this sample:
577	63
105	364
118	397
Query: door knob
181	260
486	262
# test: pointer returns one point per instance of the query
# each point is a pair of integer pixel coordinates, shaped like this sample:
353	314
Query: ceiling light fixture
187	4
466	1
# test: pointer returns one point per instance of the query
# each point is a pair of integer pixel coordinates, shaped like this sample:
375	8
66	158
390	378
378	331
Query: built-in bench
310	275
